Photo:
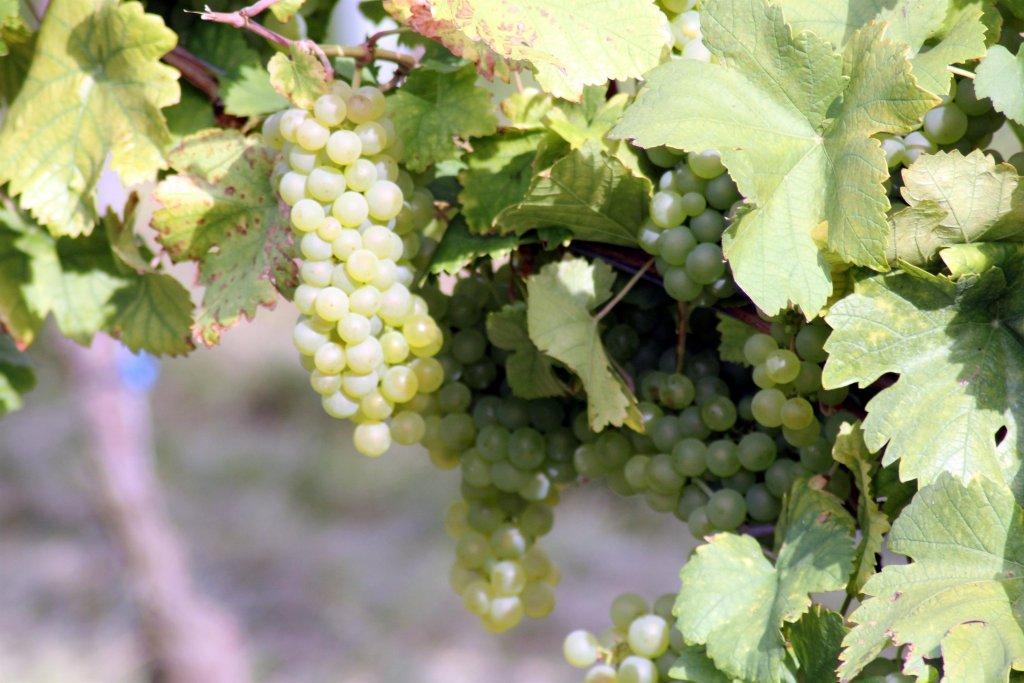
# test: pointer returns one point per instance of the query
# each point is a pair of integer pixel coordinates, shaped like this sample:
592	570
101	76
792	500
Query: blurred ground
335	565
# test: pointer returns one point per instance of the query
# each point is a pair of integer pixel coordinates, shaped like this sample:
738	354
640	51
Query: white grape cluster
685	26
367	341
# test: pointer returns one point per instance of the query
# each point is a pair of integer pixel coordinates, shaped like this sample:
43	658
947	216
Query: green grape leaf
976	651
220	209
734	334
284	10
435	107
16	315
954	29
249	92
497	175
793	121
94	92
17	376
15	24
736	602
458	247
298	76
530	373
817	639
968	557
527	108
559	300
960	363
849	450
1000	77
693	664
589	193
611	39
153	312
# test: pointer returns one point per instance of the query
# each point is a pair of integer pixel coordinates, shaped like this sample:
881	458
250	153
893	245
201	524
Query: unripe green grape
344	147
704	264
917	144
350	209
696	50
706	164
699	524
311	135
833	397
780	477
507	578
689	457
537	520
472	550
945	124
677	391
536	563
782	366
647	238
809	379
762	506
459	578
625	608
719	414
339	406
366	104
709	387
407	427
373	136
601	673
374	406
817	457
968	102
667	209
761	379
810	342
429	373
690	499
635	473
457	431
454	397
476	598
662	156
722	458
757	347
726	509
756	451
722	193
803	437
674	244
797	414
662	475
538	600
505	613
691	424
708	226
508	542
895	150
292	187
526	448
372	439
679	285
693	203
767	407
648	636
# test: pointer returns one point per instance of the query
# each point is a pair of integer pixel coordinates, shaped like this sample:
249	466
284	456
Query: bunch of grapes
684	230
512	454
366	339
640	646
684	23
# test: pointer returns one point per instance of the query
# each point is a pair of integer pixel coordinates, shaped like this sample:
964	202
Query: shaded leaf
816	639
249	92
459	248
497	176
153	312
530	373
734	334
17	376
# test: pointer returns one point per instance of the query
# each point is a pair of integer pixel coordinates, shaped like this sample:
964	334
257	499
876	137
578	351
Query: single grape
756	451
945	124
719	414
689	457
708	226
722	458
779	477
767	407
782	366
757	347
667	209
762	506
797	414
726	509
372	438
707	164
704	263
648	636
698	522
722	193
690	499
675	244
625	608
679	285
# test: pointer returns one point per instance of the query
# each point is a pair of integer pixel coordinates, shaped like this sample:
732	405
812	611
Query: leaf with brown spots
221	210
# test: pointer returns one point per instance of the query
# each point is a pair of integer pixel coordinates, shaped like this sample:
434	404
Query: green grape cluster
366	339
641	646
688	214
684	22
962	121
512	456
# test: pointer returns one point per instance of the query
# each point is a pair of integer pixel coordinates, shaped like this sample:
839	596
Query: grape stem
699	483
624	291
684	318
747	317
960	72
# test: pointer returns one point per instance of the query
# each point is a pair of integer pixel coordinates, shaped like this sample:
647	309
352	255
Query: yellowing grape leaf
298	76
433	108
967	553
560	298
793	121
530	373
1000	77
284	10
589	193
961	364
95	90
850	450
220	209
15	24
954	29
735	601
568	43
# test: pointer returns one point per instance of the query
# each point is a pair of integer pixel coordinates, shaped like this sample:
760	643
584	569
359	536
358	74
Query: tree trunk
188	639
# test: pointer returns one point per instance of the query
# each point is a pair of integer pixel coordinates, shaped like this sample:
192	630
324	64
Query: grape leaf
434	107
459	248
968	564
153	312
15	24
816	639
526	108
849	450
610	39
95	90
589	193
530	373
192	113
955	28
220	209
734	334
961	363
693	664
1000	77
17	376
284	10
497	175
975	651
793	121
560	298
248	92
298	76
735	601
